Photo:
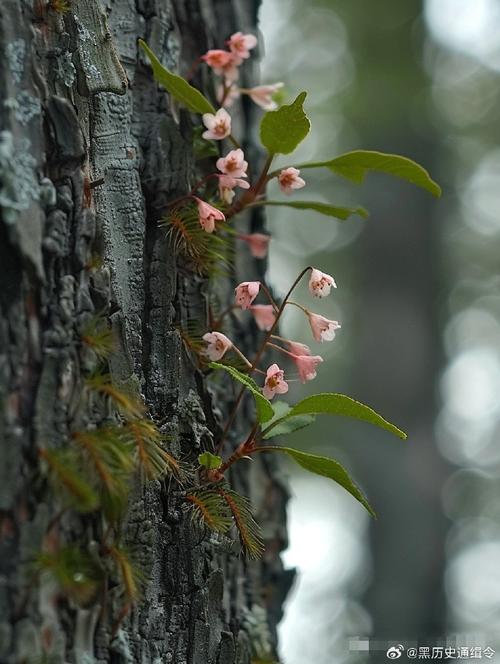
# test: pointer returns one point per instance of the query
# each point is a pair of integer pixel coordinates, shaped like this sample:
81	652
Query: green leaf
355	165
323	208
338	404
326	467
264	408
210	461
282	130
287	425
175	85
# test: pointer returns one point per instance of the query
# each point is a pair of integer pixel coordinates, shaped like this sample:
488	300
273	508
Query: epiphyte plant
206	215
282	129
94	471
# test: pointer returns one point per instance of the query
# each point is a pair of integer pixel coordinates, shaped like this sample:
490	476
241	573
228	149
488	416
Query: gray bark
80	104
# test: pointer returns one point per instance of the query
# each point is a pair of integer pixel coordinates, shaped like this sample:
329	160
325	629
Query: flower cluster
266	317
281	131
232	167
226	63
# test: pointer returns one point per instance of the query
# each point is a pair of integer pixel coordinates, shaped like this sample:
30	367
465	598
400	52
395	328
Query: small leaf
175	85
323	208
281	131
355	165
210	461
338	404
289	425
264	408
326	467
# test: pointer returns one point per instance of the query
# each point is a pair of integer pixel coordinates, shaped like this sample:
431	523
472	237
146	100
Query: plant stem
254	191
242	450
193	190
278	338
283	350
245	359
227	311
193	69
299	306
271	299
261	182
259	355
234	141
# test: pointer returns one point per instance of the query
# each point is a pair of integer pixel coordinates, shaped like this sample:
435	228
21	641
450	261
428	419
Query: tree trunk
90	153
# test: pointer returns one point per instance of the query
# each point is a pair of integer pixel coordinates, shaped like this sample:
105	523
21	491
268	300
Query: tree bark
90	153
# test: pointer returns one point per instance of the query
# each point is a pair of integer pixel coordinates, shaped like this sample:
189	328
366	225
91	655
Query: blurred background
419	301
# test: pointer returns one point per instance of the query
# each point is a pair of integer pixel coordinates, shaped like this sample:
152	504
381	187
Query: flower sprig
240	187
267	317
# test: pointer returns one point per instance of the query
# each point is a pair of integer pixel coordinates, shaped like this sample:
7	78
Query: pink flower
246	293
289	180
297	348
227	98
306	366
264	316
217	345
217	59
224	63
241	44
218	125
320	283
233	164
262	95
322	328
208	215
274	383
258	243
226	186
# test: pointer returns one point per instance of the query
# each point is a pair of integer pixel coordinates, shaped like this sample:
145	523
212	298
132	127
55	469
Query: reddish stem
259	355
254	191
244	449
271	299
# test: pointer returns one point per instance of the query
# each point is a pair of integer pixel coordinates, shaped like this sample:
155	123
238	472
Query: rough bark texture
80	104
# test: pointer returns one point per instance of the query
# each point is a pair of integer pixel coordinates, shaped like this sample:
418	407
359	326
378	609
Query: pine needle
66	473
99	337
132	579
77	574
130	405
152	458
208	254
109	459
249	530
210	509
